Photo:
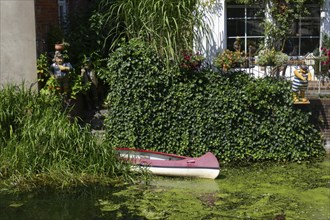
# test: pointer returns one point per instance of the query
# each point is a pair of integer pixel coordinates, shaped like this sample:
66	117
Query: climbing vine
235	116
282	15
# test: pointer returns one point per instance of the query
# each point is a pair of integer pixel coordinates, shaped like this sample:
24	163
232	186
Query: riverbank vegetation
41	145
239	118
153	102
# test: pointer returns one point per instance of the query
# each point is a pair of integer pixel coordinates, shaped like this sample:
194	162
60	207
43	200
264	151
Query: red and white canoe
206	166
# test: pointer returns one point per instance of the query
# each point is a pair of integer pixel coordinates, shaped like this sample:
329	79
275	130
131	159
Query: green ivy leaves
237	117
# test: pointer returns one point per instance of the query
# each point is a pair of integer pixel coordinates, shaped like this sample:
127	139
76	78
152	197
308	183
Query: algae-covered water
296	191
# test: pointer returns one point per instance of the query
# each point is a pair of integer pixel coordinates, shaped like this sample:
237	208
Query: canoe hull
182	172
206	166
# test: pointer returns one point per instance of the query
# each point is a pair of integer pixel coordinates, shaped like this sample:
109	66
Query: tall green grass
168	26
38	142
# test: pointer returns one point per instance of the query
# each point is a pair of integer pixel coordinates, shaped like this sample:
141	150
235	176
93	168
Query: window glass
235	13
244	21
230	43
313	11
62	12
254	28
292	46
254	12
308	45
305	33
309	27
235	28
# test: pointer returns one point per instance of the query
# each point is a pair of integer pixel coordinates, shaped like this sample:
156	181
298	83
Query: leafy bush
237	117
228	59
271	57
191	61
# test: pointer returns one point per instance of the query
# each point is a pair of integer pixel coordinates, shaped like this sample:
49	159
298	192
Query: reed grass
168	26
39	143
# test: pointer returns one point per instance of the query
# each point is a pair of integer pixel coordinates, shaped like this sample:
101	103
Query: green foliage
38	139
190	61
136	78
271	57
168	26
322	61
237	117
43	66
283	15
51	85
228	59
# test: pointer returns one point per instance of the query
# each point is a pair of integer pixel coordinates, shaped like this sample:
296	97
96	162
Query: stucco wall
326	17
18	42
211	45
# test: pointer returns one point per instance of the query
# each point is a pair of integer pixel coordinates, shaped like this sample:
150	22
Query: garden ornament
237	44
88	75
60	71
300	84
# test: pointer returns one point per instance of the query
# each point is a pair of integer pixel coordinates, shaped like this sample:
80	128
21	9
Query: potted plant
60	46
191	61
228	59
271	57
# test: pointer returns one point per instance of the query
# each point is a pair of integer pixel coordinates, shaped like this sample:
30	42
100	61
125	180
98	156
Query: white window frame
246	18
244	38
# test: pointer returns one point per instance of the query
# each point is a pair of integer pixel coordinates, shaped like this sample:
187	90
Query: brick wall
46	14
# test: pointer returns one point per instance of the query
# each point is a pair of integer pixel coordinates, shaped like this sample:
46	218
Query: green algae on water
260	192
300	191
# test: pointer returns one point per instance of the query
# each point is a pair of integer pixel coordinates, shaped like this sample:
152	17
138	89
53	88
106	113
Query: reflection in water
298	191
194	185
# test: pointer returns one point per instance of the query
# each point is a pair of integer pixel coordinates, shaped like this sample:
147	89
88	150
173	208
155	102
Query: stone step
316	85
315	94
95	118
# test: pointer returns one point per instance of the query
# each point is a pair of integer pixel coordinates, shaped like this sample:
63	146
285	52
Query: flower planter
59	47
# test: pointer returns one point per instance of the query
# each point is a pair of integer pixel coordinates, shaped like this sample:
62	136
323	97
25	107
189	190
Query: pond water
298	191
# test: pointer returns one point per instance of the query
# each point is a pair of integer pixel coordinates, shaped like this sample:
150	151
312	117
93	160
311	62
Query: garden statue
89	76
60	71
300	84
237	44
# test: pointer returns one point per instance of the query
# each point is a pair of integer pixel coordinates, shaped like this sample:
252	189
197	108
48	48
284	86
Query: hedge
232	114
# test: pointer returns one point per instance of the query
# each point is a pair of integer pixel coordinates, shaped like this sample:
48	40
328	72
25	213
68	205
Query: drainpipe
322	16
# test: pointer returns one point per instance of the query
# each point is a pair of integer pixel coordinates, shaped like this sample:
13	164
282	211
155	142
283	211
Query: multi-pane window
305	33
244	21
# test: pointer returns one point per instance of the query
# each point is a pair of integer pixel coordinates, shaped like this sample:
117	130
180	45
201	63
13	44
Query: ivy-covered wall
320	109
232	114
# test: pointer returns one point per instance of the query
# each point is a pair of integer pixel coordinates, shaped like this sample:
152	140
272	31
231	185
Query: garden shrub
235	116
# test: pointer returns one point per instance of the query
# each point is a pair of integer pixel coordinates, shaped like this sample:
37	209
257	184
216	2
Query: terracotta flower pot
59	47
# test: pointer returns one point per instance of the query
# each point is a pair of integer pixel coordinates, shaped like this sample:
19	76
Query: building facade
229	21
18	46
52	17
